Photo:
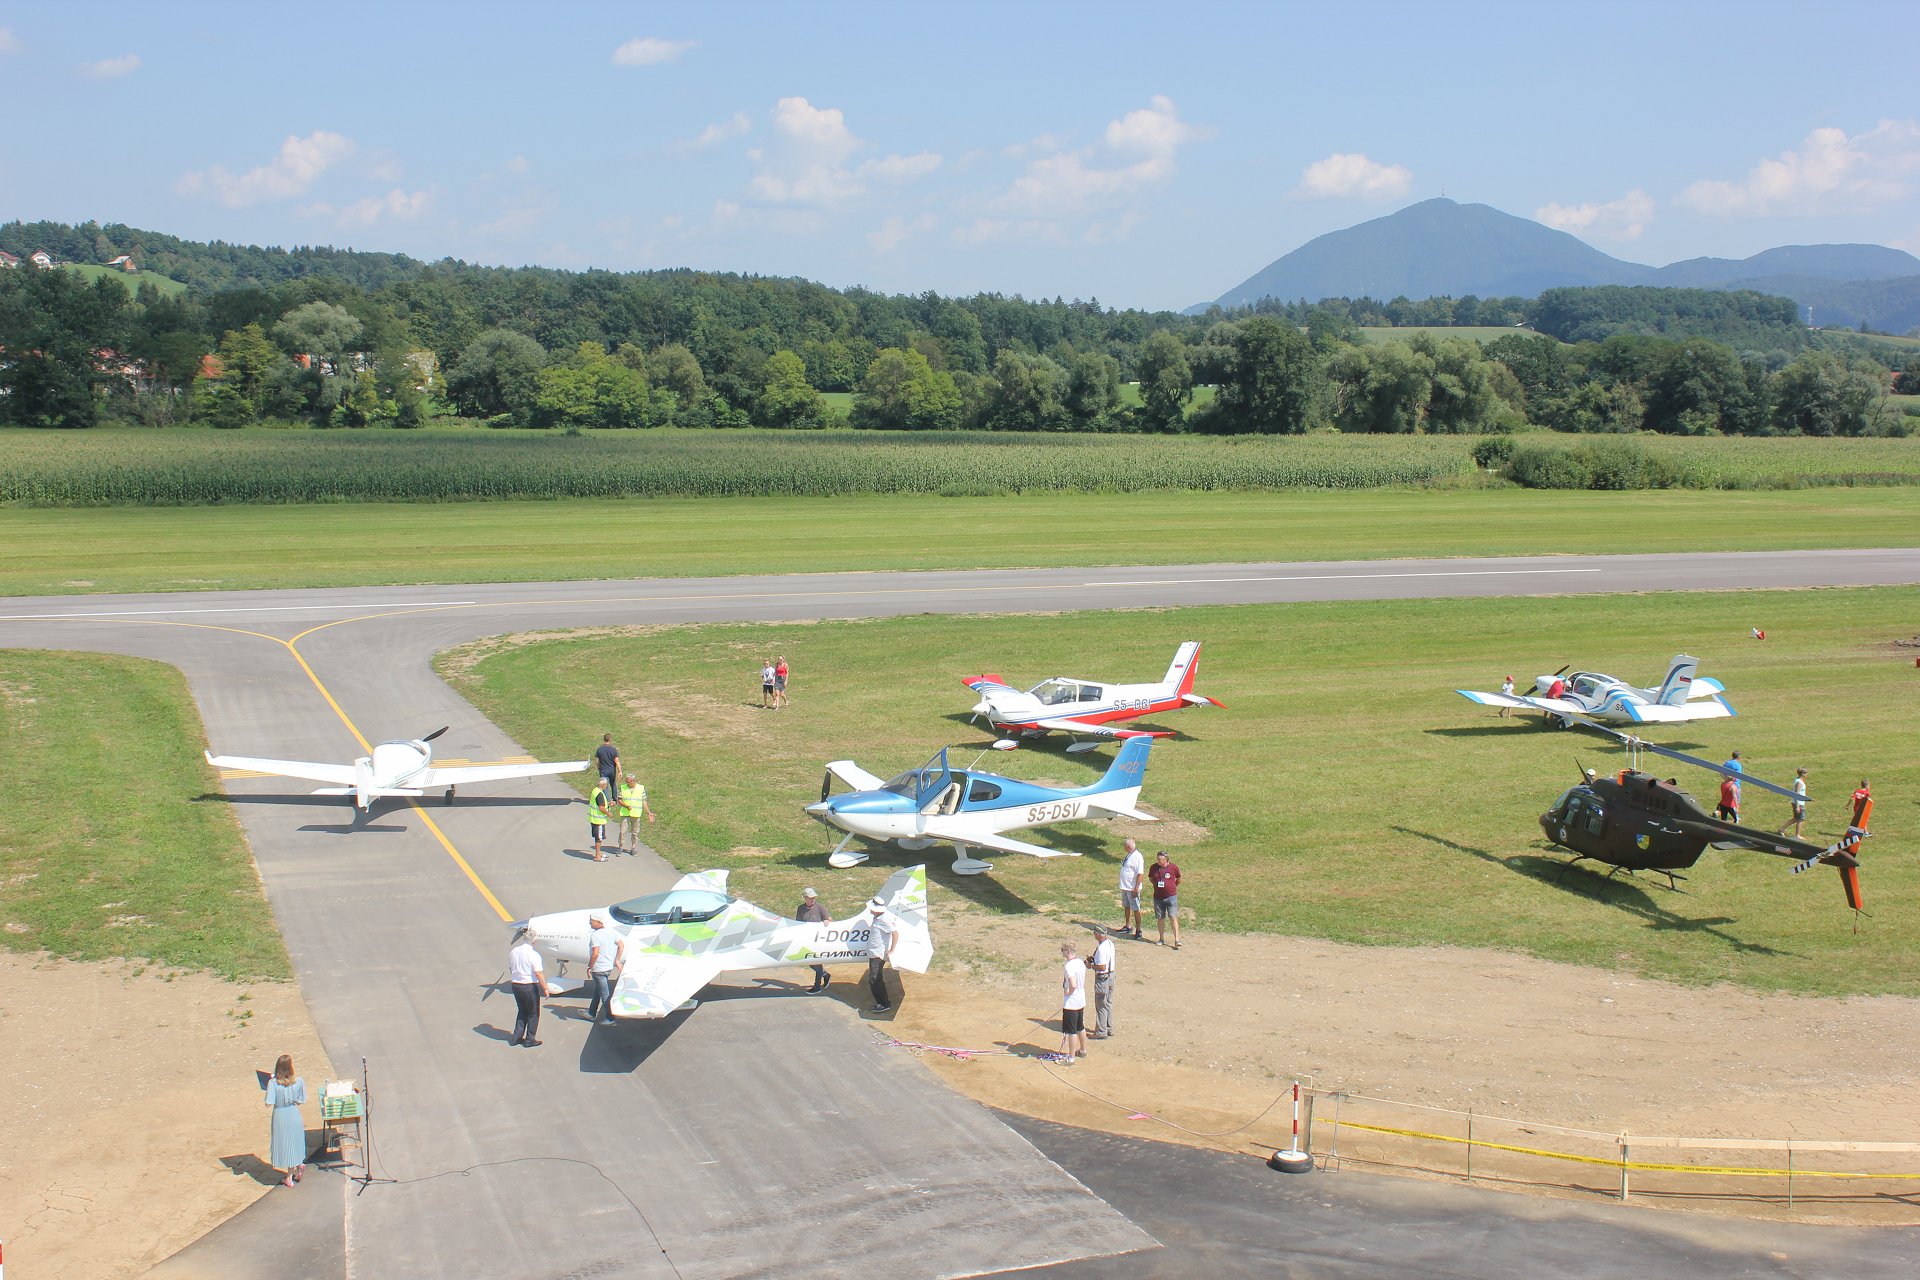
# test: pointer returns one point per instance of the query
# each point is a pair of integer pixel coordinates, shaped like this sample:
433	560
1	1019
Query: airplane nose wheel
841	858
448	798
965	864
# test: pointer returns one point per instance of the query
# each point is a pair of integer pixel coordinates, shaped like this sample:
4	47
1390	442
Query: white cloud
993	230
394	204
517	221
113	68
9	42
296	167
1352	174
647	51
383	166
895	231
809	159
720	132
1136	153
517	165
1622	219
898	170
1829	172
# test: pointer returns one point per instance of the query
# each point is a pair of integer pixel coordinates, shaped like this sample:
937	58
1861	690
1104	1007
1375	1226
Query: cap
596	918
877	905
808	893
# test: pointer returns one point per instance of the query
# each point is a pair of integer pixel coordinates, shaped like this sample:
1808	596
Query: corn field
199	467
195	467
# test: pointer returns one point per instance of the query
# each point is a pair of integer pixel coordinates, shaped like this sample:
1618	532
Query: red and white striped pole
1293	1159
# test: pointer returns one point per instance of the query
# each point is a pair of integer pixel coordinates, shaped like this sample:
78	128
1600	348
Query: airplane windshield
676	906
916	782
1054	692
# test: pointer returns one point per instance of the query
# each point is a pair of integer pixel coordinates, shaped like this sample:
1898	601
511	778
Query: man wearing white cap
881	937
606	950
813	913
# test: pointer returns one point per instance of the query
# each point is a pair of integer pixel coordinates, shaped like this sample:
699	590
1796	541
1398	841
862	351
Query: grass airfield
83	550
1346	793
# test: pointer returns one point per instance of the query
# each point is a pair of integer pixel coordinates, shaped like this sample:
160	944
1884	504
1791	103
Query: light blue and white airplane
1565	698
937	803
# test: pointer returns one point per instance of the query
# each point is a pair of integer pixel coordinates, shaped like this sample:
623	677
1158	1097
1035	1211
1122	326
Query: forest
338	338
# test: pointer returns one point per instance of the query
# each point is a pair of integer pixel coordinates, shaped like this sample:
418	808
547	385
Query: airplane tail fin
1679	682
1129	767
905	894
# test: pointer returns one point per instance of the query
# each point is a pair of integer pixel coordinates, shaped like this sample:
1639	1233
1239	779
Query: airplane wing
854	776
712	881
460	775
654	986
979	682
1067	724
1560	705
1653	713
336	774
1002	843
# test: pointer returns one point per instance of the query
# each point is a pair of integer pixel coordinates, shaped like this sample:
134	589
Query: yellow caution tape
1616	1163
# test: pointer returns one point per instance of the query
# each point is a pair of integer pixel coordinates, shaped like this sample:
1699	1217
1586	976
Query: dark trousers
526	999
820	978
877	979
602	995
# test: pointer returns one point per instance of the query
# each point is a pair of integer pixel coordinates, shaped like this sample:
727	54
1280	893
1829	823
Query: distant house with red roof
8	259
124	262
42	259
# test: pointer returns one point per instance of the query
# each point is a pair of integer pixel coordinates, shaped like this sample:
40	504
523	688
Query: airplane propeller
826	784
436	733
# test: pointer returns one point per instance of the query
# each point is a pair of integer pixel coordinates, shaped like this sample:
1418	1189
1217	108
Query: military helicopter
1637	822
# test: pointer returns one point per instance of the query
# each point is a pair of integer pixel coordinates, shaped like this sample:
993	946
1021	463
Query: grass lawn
1345	793
68	550
105	849
94	271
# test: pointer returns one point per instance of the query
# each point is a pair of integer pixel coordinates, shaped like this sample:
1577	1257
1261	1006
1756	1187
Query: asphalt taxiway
754	1136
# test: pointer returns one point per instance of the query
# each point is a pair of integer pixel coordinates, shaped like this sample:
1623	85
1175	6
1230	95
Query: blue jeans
602	995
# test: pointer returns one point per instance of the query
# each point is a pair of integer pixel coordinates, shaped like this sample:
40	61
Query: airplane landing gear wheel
448	799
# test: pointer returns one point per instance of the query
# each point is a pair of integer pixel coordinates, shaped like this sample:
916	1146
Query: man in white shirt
1101	962
606	952
529	984
882	934
1073	1004
1799	818
1132	870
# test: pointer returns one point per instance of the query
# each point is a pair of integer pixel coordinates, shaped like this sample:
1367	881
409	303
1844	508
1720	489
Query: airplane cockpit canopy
918	784
1061	691
676	906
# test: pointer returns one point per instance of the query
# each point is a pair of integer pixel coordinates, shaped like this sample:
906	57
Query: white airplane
1086	706
966	807
400	768
680	940
1680	696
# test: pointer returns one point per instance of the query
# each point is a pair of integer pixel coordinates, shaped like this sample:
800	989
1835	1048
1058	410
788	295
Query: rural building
42	259
125	262
8	260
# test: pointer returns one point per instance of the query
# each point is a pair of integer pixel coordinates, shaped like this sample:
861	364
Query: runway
757	1135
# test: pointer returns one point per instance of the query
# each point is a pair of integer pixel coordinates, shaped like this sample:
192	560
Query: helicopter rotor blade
1641	744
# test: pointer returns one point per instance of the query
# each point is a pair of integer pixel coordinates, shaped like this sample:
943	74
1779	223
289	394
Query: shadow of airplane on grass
1622	895
1513	726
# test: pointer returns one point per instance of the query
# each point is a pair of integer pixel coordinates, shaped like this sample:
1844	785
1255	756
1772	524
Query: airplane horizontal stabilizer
976	683
1202	700
1658	713
373	793
1121	811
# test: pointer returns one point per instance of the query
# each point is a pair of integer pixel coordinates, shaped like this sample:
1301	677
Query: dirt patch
128	1092
677	712
1208	1036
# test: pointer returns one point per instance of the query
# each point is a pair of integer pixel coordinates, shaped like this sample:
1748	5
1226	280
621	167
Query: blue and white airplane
1563	698
937	803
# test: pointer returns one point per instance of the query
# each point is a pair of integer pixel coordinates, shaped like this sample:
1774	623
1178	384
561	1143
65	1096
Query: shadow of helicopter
1622	894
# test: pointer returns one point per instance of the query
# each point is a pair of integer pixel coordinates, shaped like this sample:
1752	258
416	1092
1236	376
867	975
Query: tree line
400	341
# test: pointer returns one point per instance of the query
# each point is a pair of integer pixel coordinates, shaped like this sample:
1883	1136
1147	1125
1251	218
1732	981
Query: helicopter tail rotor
1840	854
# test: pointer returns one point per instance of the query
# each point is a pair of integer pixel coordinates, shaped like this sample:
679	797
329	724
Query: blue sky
1143	154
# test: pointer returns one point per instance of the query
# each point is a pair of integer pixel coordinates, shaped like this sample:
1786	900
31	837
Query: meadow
1345	793
114	840
62	551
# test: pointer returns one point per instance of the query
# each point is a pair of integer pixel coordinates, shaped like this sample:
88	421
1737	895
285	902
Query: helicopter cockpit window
1595	820
1560	805
676	906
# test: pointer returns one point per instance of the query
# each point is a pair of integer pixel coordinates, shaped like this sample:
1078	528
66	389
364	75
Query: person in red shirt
1729	807
1165	878
780	683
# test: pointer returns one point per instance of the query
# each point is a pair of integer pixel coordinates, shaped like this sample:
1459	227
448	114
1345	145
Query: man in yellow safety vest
597	817
633	803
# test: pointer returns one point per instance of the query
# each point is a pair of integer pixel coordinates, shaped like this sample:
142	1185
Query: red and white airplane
1086	706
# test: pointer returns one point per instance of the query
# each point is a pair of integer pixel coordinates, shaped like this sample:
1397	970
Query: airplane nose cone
981	708
820	809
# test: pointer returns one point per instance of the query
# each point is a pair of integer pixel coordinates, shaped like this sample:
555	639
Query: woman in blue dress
286	1093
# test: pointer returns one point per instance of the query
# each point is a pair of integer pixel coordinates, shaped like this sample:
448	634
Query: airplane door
934	780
